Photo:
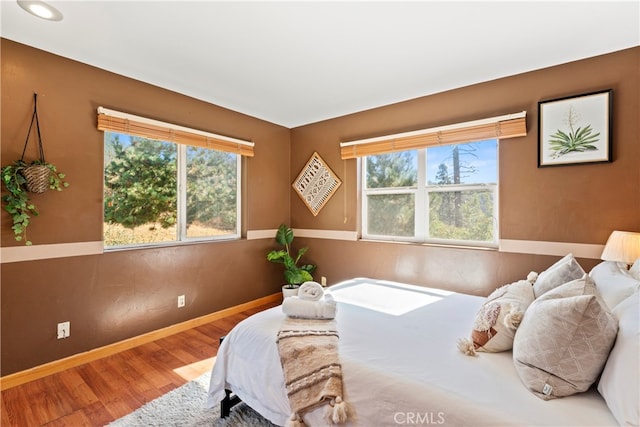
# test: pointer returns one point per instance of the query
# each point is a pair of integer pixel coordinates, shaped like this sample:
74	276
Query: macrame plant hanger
37	175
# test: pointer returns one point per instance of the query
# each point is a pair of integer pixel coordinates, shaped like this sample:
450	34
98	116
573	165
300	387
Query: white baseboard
62	250
302	232
59	250
261	234
579	250
327	234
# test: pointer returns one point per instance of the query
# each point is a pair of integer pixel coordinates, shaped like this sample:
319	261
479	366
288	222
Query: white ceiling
294	63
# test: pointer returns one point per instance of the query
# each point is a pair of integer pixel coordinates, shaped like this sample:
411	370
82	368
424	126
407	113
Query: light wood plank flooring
101	391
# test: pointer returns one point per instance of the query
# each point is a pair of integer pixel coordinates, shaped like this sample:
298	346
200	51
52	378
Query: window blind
501	127
116	121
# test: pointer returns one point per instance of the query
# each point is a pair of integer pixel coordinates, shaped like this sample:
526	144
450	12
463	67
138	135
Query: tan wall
117	295
572	204
113	296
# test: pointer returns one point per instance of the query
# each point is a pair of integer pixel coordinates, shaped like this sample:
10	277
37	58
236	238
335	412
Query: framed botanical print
575	129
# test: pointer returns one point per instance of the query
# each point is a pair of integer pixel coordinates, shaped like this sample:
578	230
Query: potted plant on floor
294	274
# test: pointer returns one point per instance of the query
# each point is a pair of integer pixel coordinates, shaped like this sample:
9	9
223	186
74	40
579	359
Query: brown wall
116	295
113	296
574	204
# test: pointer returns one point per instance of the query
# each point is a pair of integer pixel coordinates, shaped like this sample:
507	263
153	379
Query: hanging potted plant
21	178
294	274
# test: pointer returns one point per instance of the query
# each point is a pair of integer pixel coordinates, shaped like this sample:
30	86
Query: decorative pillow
564	340
499	317
614	283
563	271
621	375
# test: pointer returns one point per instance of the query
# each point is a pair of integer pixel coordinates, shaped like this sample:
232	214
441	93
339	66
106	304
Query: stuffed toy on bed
497	320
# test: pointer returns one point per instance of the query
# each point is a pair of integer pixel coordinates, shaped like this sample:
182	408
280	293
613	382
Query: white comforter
400	365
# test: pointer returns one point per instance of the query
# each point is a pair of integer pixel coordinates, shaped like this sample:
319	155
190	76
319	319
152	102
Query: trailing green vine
17	202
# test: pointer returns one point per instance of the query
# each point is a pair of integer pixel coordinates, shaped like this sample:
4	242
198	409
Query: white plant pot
289	292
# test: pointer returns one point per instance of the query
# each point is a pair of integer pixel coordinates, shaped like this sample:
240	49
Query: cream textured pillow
563	271
613	283
619	384
564	340
497	320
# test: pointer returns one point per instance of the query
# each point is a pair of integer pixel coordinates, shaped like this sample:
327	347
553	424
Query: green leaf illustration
580	140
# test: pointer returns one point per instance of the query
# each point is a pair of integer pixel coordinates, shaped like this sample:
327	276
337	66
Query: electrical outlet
181	301
64	330
323	281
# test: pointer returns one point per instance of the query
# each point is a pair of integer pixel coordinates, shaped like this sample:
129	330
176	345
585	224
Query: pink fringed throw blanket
312	372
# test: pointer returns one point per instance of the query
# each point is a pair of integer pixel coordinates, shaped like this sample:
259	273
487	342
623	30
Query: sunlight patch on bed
386	297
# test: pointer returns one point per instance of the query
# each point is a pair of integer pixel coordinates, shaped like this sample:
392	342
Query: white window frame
182	202
181	214
421	196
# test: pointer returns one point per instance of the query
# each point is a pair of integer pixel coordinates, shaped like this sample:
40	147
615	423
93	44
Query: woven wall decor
316	183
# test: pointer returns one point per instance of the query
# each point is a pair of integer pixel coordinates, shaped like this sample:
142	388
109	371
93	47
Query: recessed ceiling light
41	10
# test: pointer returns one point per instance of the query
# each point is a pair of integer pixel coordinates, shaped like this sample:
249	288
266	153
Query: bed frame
230	399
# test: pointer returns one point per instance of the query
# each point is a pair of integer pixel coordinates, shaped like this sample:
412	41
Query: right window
444	194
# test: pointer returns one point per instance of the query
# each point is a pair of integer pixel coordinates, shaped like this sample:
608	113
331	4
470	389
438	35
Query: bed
400	365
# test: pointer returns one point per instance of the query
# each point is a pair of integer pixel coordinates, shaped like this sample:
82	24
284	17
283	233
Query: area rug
186	406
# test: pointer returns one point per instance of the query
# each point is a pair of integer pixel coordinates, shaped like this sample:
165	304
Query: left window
159	192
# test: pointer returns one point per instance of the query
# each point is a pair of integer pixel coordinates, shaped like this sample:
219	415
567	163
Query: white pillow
635	269
614	283
564	270
619	383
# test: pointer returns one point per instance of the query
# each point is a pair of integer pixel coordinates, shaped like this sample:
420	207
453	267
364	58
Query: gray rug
186	406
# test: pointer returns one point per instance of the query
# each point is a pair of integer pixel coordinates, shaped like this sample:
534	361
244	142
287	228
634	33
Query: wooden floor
99	392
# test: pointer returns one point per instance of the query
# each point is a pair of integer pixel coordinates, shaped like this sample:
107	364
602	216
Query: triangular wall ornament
316	183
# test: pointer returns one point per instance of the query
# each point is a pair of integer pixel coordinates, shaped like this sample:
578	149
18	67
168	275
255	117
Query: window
434	185
158	192
439	194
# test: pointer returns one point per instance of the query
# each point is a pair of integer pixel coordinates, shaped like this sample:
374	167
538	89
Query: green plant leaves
294	274
284	235
580	140
296	277
277	256
16	201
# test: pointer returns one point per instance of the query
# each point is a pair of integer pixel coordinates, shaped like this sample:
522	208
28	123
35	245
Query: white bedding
400	364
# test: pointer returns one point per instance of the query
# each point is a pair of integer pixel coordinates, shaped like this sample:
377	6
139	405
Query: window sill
492	247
